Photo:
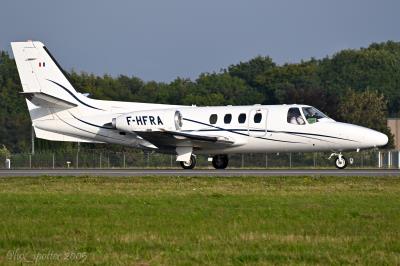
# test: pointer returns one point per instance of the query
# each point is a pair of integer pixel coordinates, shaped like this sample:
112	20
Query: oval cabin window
257	118
227	118
242	118
213	119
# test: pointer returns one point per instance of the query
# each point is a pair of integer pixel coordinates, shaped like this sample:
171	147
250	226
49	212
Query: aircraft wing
173	139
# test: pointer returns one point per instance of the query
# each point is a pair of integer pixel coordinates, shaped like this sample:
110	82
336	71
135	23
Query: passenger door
257	122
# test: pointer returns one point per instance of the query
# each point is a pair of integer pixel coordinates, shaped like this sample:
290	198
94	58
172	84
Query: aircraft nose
377	138
381	139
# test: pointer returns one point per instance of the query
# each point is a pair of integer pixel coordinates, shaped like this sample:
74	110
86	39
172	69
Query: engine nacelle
156	120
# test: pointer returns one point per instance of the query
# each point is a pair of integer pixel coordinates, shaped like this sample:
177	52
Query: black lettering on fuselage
139	120
128	120
152	120
143	119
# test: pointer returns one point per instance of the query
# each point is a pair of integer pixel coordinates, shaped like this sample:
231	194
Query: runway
199	172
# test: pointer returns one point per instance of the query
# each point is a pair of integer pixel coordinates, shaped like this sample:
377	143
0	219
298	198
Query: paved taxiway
200	172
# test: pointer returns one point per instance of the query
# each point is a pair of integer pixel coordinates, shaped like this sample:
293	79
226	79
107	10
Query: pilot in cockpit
294	117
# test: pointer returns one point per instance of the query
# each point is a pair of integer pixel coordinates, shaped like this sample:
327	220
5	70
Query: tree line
359	86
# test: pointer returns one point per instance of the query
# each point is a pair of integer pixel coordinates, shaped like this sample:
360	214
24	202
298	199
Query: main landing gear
190	164
220	161
340	160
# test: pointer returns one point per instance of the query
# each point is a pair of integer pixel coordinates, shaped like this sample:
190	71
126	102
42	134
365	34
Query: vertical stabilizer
48	92
39	71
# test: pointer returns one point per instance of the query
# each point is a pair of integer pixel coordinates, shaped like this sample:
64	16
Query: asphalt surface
199	172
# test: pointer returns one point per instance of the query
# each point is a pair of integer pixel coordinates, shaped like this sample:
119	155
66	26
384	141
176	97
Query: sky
162	40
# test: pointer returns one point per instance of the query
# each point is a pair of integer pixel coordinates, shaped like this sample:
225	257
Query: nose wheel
340	160
220	161
189	164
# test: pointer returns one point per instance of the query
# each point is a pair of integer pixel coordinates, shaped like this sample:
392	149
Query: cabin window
242	118
213	119
294	116
227	118
313	115
257	118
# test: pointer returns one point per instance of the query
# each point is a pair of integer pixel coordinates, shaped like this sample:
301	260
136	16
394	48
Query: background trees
372	73
15	127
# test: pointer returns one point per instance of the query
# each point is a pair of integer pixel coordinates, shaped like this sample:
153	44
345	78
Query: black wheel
190	164
220	161
340	163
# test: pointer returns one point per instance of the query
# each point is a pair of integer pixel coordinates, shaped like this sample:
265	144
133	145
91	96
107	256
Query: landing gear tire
340	162
189	164
220	161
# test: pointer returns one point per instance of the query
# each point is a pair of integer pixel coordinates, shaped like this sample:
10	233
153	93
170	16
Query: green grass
204	220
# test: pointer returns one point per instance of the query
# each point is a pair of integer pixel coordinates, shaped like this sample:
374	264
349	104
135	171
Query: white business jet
60	113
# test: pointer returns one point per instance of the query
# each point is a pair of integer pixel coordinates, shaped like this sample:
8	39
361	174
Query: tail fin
40	73
46	87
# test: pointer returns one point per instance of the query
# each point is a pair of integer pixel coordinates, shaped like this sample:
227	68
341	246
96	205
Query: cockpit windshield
313	115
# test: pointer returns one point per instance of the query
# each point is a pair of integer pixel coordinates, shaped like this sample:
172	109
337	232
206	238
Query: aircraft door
257	122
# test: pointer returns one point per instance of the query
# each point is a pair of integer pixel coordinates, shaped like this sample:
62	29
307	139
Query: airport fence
110	159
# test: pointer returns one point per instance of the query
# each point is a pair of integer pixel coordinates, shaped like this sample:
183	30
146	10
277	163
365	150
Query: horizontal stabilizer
45	100
45	134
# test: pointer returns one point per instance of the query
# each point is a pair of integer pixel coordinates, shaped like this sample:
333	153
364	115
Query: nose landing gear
340	160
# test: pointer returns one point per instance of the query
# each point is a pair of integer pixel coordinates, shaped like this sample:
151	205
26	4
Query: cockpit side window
313	115
294	116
